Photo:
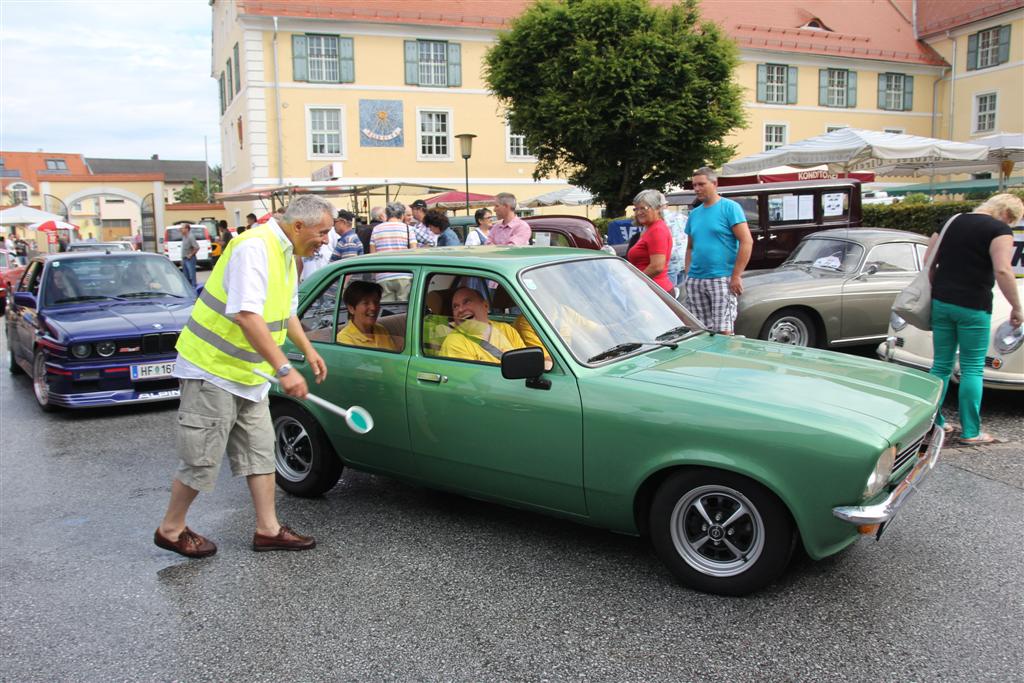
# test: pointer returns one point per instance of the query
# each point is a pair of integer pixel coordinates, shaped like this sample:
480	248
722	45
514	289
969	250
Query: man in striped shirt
393	235
348	243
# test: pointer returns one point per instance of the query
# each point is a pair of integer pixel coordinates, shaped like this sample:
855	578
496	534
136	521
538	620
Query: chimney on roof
155	157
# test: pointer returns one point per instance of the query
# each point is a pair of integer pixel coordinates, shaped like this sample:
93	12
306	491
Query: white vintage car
1004	362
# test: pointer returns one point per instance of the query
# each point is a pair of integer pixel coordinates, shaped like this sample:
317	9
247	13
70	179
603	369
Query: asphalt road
412	584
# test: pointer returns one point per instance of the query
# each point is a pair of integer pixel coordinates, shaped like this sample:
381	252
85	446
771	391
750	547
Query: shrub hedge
920	218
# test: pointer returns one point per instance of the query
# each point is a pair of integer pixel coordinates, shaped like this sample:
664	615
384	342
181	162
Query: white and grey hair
394	210
309	209
377	213
708	173
652	199
506	199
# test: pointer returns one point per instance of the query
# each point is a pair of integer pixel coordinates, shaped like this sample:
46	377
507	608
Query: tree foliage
195	192
617	95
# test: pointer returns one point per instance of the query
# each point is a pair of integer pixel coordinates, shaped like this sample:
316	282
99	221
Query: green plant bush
602	225
921	218
916	198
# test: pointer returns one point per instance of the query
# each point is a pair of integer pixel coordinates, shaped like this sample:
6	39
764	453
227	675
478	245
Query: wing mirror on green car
525	364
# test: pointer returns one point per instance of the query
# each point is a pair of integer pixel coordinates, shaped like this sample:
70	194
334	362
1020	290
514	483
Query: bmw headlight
81	350
896	322
106	349
1007	339
880	475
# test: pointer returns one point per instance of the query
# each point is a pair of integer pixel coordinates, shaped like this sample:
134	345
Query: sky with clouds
108	78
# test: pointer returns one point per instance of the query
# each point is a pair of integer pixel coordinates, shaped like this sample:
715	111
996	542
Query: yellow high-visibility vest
213	341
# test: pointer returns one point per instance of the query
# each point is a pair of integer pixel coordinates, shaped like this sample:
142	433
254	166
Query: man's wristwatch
283	370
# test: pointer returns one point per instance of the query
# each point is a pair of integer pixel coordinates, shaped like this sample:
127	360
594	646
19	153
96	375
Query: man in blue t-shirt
717	251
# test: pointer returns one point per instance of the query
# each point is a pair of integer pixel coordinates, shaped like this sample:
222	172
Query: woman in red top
651	252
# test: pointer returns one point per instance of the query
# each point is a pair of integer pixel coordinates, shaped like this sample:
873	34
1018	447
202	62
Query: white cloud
108	78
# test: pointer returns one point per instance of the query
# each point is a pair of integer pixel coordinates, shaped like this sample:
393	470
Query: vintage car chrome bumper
887	509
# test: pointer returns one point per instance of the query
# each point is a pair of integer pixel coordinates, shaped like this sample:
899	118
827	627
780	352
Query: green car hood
790	382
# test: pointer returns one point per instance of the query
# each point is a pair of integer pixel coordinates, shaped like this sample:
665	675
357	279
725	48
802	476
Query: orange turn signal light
868	528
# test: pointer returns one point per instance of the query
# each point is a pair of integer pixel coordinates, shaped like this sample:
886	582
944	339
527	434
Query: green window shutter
851	89
221	83
823	87
791	73
231	84
762	82
972	52
454	65
1004	44
881	91
908	93
238	71
300	71
412	63
346	60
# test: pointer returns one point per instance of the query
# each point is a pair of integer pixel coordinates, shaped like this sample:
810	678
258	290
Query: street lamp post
466	145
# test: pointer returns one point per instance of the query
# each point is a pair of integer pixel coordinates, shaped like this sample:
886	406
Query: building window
325	131
515	146
985	113
76	207
895	92
774	135
837	88
56	165
435	135
990	47
322	59
433	63
238	71
19	193
229	90
776	83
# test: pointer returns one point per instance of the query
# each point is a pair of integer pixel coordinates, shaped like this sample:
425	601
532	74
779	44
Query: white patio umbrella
1004	150
570	196
854	149
26	215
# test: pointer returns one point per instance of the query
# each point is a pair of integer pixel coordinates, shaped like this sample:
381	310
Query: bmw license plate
152	370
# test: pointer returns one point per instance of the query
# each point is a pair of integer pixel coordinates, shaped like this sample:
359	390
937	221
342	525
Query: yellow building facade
378	96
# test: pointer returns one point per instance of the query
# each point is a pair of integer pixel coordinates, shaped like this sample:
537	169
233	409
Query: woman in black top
974	253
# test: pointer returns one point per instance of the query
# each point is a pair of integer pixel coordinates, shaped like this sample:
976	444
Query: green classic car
724	451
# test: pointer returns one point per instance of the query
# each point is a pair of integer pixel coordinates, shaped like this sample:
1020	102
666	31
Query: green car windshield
604	309
838	256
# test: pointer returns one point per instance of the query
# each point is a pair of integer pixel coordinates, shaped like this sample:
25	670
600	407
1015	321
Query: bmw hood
122	319
799	381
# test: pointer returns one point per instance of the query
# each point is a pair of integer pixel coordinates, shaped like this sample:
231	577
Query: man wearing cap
424	237
238	326
348	243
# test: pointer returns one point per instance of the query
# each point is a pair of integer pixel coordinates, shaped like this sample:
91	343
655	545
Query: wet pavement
412	584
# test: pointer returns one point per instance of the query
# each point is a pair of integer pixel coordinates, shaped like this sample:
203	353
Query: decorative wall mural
380	123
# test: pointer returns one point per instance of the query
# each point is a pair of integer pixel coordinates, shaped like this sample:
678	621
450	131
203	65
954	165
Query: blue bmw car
97	329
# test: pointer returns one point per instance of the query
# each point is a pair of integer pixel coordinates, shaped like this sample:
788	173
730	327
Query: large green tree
195	192
617	95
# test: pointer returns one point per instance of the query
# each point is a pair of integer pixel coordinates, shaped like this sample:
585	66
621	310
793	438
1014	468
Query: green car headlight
106	349
81	350
896	322
1007	339
880	475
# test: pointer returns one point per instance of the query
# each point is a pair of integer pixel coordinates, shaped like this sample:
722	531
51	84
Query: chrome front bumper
882	512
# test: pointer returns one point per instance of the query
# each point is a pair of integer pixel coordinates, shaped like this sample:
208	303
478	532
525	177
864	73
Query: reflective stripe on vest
213	341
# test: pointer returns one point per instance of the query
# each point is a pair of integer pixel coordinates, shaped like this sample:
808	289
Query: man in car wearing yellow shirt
362	299
476	337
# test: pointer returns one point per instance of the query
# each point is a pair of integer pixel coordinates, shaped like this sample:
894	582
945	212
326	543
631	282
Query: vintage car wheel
720	532
40	384
790	326
307	465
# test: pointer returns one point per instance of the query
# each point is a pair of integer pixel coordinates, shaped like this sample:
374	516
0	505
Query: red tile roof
936	16
879	29
31	167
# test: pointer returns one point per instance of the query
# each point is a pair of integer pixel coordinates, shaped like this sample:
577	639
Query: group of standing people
706	252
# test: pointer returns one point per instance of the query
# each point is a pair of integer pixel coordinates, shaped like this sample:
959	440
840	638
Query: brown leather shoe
286	539
189	544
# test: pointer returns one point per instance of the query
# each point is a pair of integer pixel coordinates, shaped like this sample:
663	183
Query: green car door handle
431	377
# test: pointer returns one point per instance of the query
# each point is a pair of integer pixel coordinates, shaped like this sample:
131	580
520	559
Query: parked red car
10	272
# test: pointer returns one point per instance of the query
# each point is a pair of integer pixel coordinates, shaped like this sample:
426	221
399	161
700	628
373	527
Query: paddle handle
312	398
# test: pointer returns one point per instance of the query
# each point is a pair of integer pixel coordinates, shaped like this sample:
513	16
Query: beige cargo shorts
212	421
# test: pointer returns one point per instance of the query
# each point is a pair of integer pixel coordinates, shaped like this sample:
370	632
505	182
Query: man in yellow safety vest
239	322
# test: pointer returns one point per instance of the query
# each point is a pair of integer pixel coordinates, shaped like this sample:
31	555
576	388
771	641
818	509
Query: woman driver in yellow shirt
362	299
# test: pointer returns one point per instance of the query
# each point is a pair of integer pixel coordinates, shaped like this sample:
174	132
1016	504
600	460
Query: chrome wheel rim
293	449
789	330
717	531
39	383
